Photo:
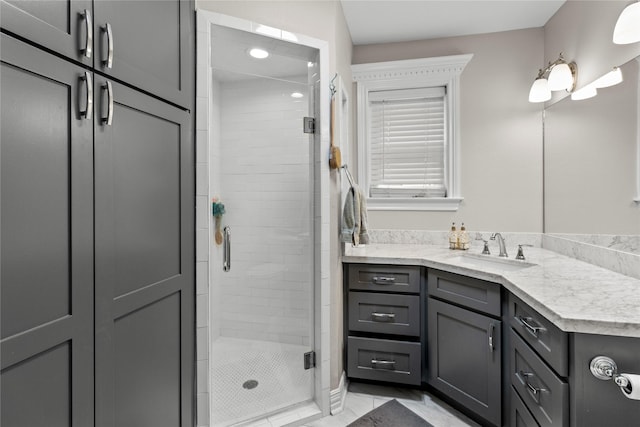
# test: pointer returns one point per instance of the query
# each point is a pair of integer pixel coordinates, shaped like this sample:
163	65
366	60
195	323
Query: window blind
408	143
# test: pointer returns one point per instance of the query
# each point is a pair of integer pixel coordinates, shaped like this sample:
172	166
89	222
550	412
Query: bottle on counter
453	237
463	238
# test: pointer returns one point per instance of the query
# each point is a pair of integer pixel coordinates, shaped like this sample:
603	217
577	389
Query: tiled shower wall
264	180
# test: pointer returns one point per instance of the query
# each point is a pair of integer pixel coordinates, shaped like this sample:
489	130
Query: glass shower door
262	172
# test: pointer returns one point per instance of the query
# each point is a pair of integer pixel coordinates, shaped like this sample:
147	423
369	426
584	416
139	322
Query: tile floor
238	362
362	398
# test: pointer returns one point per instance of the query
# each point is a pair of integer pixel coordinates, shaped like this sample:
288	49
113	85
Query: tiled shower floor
277	368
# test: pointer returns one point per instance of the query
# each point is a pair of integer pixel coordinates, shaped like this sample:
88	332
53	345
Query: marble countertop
574	295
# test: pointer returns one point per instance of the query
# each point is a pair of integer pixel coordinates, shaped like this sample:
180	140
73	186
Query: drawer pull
383	364
529	326
383	317
533	391
383	280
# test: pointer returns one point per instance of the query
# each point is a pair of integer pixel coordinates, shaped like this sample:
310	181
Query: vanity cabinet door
155	57
60	25
46	205
144	277
465	362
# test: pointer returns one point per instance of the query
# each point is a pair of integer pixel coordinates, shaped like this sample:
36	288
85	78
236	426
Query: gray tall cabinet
97	197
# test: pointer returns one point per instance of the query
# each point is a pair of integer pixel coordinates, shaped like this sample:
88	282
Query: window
407	136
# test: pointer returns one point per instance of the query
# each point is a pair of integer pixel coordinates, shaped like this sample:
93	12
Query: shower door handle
226	254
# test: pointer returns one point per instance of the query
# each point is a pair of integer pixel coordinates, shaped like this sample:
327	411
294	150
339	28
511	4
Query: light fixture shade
561	77
586	92
258	53
540	91
627	29
611	78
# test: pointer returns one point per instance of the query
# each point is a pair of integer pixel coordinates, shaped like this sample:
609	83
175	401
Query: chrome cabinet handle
531	328
108	62
535	392
226	255
383	317
108	120
491	329
88	111
377	364
88	24
383	280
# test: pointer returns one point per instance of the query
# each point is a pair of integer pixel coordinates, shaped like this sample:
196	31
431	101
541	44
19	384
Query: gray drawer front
466	291
544	337
384	313
387	278
520	415
545	394
384	360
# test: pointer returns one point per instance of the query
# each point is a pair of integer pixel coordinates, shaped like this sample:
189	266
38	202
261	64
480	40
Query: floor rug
391	414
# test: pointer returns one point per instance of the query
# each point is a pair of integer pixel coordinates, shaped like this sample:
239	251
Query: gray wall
501	132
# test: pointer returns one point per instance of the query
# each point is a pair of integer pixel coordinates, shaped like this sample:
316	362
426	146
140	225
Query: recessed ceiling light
296	95
258	53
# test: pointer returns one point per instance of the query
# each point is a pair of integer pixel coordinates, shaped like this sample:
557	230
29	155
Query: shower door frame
321	277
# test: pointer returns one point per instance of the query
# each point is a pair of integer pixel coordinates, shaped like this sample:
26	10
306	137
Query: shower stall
264	232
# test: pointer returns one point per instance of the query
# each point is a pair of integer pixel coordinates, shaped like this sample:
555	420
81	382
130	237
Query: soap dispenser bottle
463	238
453	237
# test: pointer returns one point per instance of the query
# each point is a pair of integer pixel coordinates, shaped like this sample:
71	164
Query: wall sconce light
561	75
589	91
627	29
612	78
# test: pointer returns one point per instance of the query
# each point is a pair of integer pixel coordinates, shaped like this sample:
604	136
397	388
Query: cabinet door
144	199
465	358
47	242
59	25
151	44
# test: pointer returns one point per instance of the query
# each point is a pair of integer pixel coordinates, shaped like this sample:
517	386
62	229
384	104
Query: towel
354	218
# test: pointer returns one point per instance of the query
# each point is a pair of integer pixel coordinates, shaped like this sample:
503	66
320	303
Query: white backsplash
612	252
440	238
606	251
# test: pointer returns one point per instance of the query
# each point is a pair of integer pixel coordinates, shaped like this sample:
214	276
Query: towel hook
349	177
332	86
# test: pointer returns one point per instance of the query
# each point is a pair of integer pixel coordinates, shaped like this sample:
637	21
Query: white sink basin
491	261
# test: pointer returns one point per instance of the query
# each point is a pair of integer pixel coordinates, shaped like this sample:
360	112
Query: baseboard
338	396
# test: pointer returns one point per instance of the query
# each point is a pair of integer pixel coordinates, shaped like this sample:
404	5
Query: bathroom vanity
509	344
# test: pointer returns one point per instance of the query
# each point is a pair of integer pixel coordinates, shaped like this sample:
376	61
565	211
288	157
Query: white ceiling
384	21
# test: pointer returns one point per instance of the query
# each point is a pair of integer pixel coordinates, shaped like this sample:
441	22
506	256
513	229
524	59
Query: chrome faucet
503	248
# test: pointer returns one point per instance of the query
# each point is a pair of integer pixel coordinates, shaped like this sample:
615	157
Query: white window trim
407	74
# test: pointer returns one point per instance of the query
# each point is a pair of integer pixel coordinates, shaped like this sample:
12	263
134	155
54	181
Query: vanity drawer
387	278
544	394
465	291
520	415
384	360
384	313
544	337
